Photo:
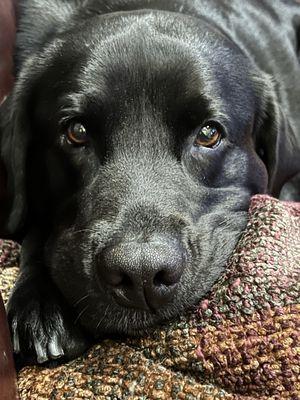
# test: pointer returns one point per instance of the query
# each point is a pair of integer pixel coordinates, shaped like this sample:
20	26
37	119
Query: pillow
241	342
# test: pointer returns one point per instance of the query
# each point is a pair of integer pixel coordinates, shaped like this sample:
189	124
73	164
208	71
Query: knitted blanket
242	342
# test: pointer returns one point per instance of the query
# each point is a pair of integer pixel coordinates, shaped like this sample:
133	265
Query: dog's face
141	162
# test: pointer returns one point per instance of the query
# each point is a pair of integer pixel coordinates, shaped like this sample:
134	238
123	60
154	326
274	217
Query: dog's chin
121	321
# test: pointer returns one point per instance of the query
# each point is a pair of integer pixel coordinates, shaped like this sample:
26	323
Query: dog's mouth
115	319
132	322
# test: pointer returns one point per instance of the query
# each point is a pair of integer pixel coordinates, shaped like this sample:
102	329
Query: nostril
162	278
119	279
167	277
126	281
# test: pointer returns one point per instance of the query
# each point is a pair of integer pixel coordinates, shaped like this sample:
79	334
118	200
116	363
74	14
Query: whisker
102	317
81	313
84	230
80	300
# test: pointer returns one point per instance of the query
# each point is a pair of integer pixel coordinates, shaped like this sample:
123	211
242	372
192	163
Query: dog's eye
208	136
77	134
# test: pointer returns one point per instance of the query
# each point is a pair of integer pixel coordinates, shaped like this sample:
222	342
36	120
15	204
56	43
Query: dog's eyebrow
71	106
75	105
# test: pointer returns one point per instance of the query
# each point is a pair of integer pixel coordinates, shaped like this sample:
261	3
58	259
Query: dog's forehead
156	67
148	60
150	69
144	77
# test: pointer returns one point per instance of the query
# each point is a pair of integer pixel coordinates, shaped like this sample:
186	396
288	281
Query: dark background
7	34
7	37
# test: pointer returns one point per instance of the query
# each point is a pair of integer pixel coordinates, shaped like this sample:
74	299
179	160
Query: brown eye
76	134
208	136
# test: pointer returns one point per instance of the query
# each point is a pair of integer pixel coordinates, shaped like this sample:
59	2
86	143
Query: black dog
135	135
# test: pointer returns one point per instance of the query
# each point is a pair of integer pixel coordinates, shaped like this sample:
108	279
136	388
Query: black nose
142	275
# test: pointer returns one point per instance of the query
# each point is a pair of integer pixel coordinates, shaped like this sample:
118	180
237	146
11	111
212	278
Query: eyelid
68	114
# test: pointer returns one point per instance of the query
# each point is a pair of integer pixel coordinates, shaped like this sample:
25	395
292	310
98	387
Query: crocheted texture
242	342
9	253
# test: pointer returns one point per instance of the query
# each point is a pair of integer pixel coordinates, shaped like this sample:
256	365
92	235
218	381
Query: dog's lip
137	327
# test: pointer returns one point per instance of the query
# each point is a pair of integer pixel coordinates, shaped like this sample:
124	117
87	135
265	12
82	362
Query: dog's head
134	141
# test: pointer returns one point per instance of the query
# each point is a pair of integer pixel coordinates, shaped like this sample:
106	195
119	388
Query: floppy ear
15	136
277	140
39	22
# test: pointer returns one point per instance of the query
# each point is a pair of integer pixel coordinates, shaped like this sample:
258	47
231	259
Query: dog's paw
41	328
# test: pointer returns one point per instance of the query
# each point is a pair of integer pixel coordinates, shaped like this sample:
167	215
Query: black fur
142	76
